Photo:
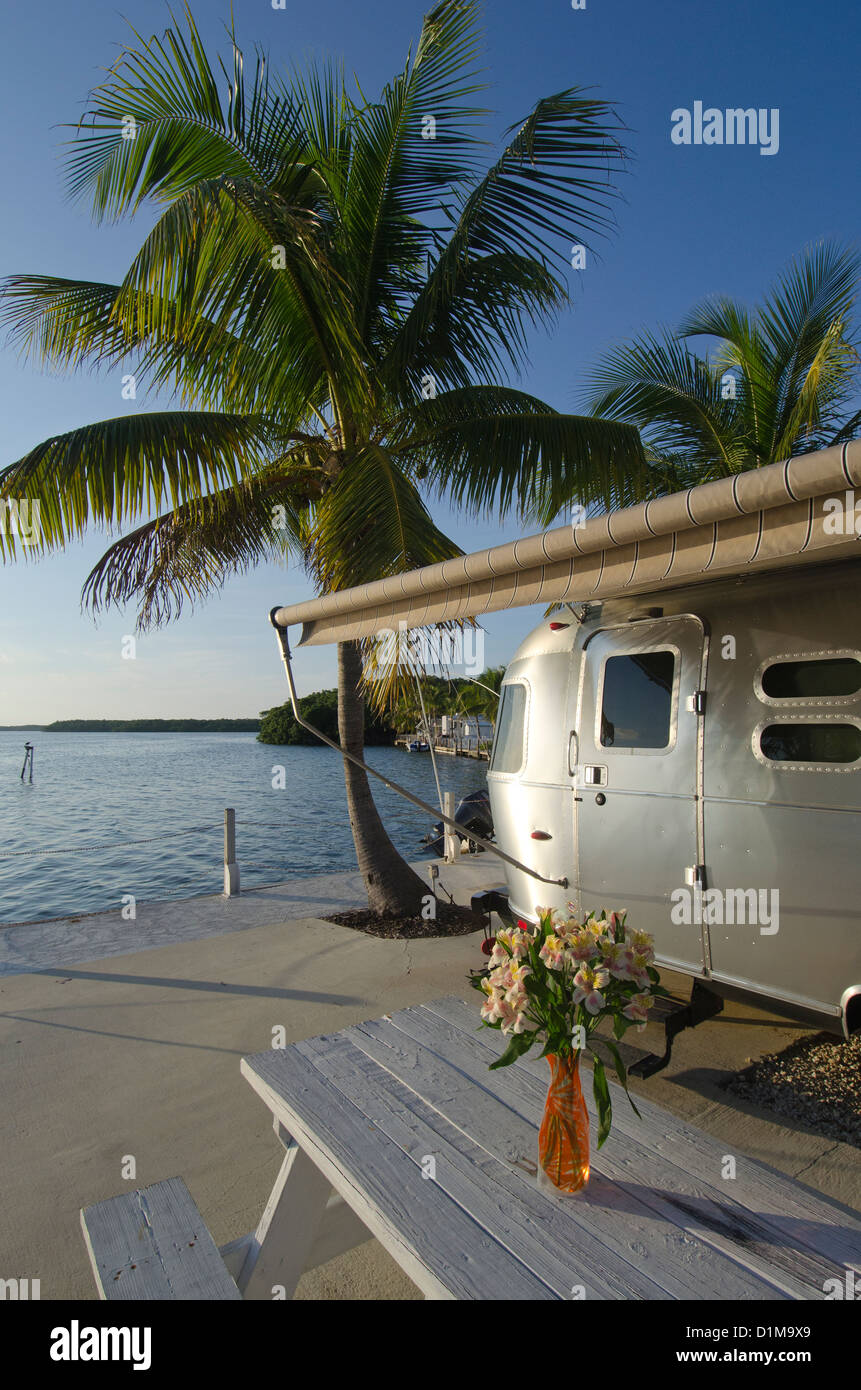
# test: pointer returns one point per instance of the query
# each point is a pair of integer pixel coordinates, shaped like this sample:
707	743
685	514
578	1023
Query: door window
637	700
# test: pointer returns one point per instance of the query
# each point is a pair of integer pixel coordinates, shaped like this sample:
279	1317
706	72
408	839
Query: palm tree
332	291
782	380
481	698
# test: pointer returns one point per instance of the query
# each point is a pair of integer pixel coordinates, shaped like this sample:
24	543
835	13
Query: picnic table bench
397	1129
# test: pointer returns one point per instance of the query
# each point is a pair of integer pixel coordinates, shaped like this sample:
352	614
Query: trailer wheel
853	1017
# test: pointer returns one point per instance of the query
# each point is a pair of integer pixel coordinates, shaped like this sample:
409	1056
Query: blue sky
695	220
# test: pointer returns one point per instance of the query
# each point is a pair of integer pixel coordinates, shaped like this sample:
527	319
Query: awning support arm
393	786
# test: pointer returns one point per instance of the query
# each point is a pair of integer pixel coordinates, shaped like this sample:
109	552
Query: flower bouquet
554	983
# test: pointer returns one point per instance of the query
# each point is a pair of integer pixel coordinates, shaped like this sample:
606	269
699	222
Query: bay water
93	794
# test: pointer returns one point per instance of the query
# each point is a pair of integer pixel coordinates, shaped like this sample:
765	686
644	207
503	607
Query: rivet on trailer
681	737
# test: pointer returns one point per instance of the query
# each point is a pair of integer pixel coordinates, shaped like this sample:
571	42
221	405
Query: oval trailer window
812	680
508	749
811	743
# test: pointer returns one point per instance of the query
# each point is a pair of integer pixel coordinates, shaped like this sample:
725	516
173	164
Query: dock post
231	868
452	839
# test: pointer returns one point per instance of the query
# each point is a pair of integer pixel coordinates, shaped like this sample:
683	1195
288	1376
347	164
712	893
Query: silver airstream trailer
681	734
697	763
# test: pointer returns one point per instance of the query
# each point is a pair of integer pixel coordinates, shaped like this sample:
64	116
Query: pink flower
513	943
638	1009
615	957
588	983
637	962
583	946
491	1010
642	943
513	1018
553	952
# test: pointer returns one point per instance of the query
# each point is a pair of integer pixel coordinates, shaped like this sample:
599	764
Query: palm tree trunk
393	887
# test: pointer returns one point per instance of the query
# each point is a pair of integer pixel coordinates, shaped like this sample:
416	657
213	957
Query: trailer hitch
704	1004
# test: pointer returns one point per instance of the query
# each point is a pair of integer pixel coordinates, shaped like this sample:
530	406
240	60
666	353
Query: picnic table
397	1129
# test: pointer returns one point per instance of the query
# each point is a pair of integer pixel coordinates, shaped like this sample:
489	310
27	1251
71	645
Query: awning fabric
763	519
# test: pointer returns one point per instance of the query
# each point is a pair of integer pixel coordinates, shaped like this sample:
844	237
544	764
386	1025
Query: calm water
103	789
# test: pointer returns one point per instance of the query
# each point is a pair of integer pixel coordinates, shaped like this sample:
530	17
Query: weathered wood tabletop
437	1157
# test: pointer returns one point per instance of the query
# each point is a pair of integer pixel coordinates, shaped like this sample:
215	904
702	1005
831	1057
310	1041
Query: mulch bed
450	920
816	1080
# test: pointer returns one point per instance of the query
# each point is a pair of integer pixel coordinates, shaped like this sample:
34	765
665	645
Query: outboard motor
472	813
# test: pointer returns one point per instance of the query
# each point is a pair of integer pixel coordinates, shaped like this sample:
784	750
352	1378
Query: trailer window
812	680
637	700
508	748
811	743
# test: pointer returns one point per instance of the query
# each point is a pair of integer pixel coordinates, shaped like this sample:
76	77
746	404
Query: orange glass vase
563	1140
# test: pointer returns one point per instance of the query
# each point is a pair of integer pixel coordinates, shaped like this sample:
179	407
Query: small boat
418	745
472	813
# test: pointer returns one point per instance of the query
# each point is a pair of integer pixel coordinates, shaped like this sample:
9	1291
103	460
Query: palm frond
65	323
397	175
126	467
815	292
240	260
187	554
658	384
372	523
159	125
819	394
490	447
550	186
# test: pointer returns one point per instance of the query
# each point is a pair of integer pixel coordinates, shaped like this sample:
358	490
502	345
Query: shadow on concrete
791	1024
123	1037
307	996
710	1082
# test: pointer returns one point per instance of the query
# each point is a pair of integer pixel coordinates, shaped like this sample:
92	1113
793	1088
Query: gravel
816	1081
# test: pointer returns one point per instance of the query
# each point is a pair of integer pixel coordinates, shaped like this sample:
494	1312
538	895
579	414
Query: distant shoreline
138	726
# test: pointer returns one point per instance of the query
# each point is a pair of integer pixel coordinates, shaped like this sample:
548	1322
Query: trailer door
639	773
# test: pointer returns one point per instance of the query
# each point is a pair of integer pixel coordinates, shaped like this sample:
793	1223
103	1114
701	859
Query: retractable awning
763	519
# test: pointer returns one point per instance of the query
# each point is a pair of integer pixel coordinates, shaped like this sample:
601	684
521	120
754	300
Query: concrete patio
124	1038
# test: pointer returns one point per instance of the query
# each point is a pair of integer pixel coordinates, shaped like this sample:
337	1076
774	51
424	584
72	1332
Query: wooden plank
508	1205
609	1211
804	1217
438	1245
153	1244
693	1204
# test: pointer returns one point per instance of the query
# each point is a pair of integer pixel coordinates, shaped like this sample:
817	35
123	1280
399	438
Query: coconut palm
781	381
481	697
332	293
